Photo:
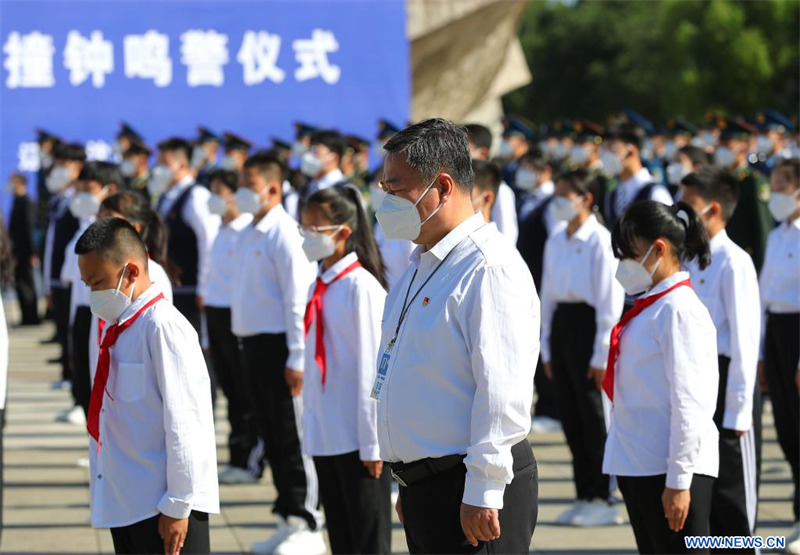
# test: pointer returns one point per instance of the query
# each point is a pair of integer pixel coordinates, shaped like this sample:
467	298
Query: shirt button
99	476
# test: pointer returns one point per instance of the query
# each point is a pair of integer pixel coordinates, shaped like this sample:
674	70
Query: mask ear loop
432	214
122	275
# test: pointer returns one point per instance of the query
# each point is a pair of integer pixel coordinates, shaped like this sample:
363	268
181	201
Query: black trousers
61	298
358	508
571	346
646	512
431	510
224	348
26	293
546	398
143	538
781	351
277	418
81	373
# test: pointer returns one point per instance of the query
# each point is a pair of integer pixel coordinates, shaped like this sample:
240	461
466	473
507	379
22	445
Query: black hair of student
714	184
487	176
69	151
112	239
177	145
269	165
105	173
793	165
7	261
19	177
648	220
344	205
581	182
228	178
627	132
696	155
331	139
155	234
535	158
479	135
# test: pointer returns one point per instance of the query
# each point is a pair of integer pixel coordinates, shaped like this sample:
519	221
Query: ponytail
695	243
344	205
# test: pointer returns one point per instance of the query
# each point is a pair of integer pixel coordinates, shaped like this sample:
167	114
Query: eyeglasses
304	229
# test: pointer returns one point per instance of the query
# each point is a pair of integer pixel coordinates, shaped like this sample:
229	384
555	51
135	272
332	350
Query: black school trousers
81	372
61	299
432	507
26	293
142	537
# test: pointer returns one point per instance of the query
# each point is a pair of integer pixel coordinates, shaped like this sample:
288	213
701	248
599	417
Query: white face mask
399	218
310	164
58	179
764	144
782	205
505	150
109	304
579	155
670	150
84	205
563	209
199	157
127	168
217	205
45	160
298	149
228	163
633	276
376	195
675	173
160	178
724	157
611	163
560	151
248	201
525	179
318	246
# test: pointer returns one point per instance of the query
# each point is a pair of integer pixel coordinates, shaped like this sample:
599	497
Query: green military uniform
752	222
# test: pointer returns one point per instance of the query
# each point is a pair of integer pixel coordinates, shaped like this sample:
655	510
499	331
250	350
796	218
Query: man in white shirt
268	303
729	289
458	352
320	163
152	451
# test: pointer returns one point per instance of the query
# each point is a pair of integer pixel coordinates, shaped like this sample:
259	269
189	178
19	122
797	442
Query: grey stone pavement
46	495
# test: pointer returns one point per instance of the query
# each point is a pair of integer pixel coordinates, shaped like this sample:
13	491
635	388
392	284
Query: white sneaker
268	546
236	475
302	540
565	518
793	540
75	415
545	425
597	513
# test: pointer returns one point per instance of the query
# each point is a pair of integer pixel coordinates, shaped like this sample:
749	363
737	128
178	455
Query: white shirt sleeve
183	381
743	312
661	194
295	275
503	365
47	263
4	347
609	297
547	298
681	341
205	226
368	312
504	213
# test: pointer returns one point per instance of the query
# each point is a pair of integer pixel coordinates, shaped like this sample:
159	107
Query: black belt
408	474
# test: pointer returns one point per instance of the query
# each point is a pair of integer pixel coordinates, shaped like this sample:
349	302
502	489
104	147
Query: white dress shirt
729	289
396	255
197	216
504	212
291	200
216	290
580	269
665	391
71	272
340	417
273	276
629	188
460	376
158	450
533	198
328	180
780	275
4	348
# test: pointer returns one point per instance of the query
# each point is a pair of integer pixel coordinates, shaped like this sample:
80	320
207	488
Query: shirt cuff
599	361
737	420
369	452
488	495
295	359
175	508
679	481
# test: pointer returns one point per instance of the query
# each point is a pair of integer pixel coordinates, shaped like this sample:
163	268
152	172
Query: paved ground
46	504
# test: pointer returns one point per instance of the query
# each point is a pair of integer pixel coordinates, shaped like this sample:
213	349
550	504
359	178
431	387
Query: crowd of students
655	349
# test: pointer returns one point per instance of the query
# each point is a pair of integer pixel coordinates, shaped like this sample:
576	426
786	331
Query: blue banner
79	68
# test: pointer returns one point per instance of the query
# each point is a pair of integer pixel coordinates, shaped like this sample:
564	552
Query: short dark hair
793	164
112	239
487	176
433	146
627	132
581	182
479	135
104	173
268	164
69	151
176	145
330	138
228	178
18	176
696	155
715	185
536	158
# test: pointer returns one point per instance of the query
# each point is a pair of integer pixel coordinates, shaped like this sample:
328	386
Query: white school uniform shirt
216	290
629	188
532	199
504	212
340	417
71	272
272	280
396	255
728	288
328	180
581	269
4	348
198	217
665	391
158	450
460	376
291	200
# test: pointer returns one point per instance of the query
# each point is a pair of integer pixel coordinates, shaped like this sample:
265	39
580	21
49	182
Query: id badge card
383	369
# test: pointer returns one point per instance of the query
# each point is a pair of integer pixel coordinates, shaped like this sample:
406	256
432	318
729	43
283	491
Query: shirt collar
146	296
270	218
639	178
240	222
330	274
584	232
441	249
666	283
795	224
718	240
331	178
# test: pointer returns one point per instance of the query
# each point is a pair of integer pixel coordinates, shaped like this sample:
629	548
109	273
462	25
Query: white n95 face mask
57	179
310	164
228	163
724	157
217	205
563	209
782	205
84	205
159	180
579	155
633	276
248	201
675	173
399	218
318	246
127	168
525	179
109	304
376	195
